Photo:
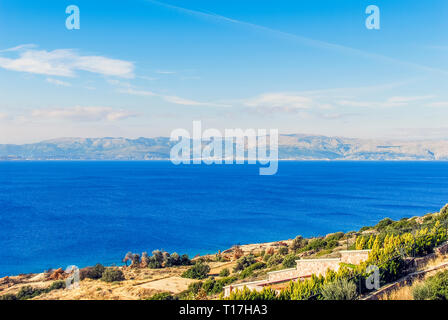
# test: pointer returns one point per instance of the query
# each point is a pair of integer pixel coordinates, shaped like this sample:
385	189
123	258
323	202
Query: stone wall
442	249
282	275
307	267
354	256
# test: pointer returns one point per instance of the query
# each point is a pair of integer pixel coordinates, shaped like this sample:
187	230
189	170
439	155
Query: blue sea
55	214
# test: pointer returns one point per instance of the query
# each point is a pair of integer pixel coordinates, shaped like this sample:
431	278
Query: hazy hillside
299	147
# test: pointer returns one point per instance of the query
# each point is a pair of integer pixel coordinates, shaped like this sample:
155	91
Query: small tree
244	262
136	261
128	257
197	271
290	261
224	272
298	243
112	275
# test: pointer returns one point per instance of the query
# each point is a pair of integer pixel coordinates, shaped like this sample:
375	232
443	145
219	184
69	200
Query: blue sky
144	68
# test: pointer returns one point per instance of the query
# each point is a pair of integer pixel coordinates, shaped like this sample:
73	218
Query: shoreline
246	248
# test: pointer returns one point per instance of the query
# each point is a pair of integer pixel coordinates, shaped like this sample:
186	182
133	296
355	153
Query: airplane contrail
304	40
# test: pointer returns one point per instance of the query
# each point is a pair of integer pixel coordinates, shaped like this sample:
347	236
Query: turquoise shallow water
54	214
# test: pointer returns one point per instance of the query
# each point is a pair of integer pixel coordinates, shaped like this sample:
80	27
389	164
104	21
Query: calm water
54	214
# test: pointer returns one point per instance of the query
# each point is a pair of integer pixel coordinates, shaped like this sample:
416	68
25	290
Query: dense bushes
244	262
435	288
163	296
112	275
161	259
211	286
8	296
318	244
250	270
290	261
298	243
275	260
28	292
224	272
246	294
341	289
94	273
199	271
388	251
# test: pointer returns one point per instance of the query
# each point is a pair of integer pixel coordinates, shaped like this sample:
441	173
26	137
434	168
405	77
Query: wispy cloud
79	113
127	88
135	92
301	39
438	104
280	100
165	72
19	47
64	63
398	101
58	82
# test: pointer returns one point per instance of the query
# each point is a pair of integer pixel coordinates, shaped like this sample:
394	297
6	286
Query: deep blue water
55	214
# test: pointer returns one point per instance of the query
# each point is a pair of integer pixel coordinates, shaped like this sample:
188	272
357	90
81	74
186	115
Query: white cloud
58	82
64	63
188	102
409	99
440	104
128	89
135	92
18	48
397	101
3	116
280	100
83	114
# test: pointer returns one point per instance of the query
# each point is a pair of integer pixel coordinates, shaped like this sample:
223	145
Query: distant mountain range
291	147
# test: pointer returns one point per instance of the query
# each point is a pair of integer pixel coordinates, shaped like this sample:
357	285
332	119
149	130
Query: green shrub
316	244
341	289
335	236
276	259
8	296
224	272
249	270
28	292
266	257
244	262
112	275
195	287
221	283
208	285
246	294
365	228
283	250
384	223
94	273
197	271
290	261
298	243
435	288
56	285
162	296
331	244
